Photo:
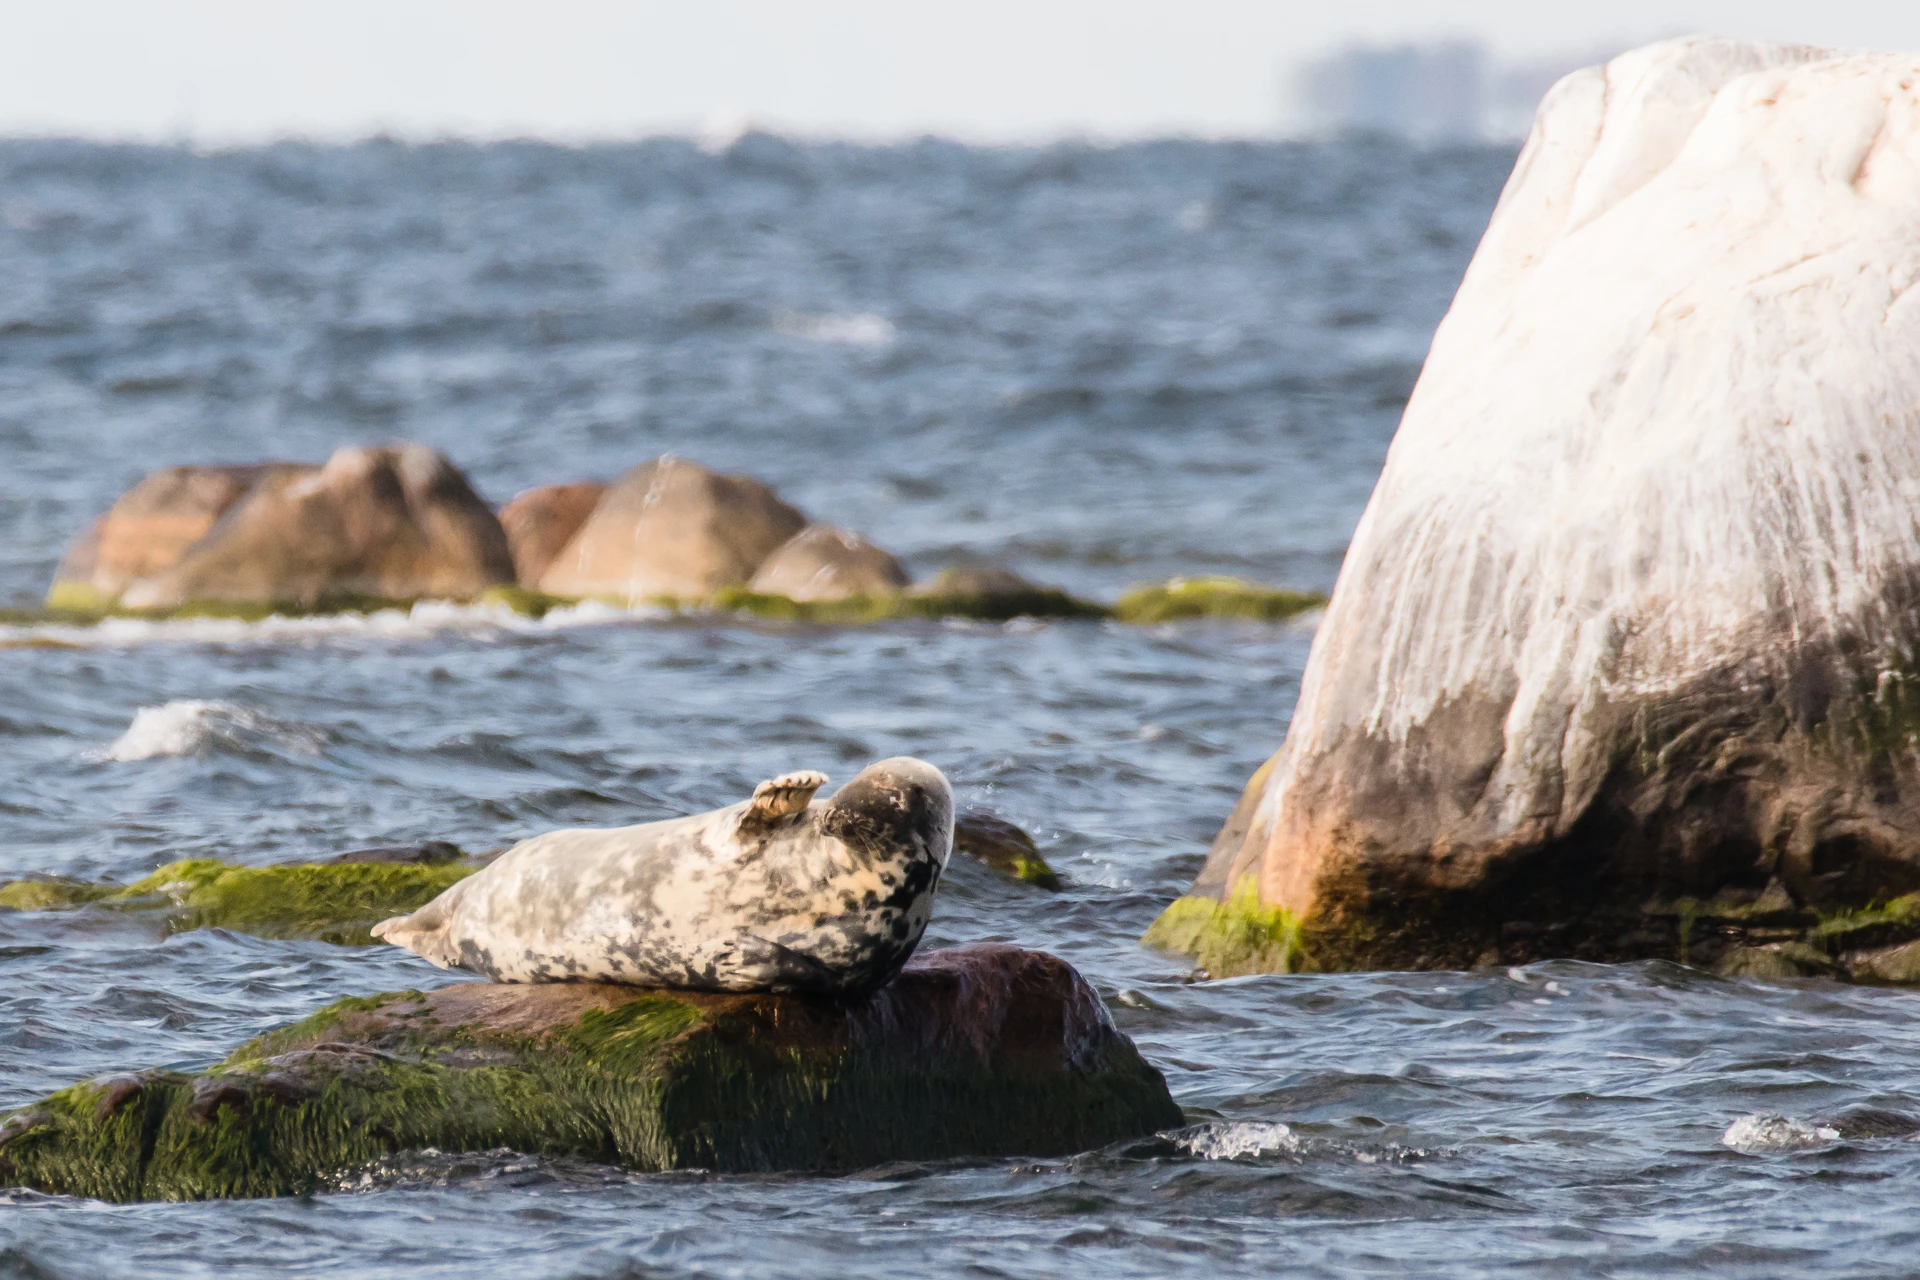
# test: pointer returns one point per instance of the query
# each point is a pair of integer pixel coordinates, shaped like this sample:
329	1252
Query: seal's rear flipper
782	797
424	933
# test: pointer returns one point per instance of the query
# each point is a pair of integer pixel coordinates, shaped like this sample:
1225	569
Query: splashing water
196	726
1769	1131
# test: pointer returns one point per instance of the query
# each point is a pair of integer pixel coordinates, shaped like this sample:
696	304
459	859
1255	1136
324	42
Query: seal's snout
896	803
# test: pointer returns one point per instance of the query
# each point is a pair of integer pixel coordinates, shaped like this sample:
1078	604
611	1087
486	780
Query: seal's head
893	807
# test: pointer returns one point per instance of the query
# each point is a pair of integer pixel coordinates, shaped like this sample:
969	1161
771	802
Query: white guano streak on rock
1677	395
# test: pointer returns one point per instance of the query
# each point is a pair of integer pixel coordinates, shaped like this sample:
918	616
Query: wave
198	726
429	617
858	329
1256	1140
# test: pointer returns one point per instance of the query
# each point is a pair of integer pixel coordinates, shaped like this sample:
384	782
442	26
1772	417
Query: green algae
80	598
1230	937
78	604
331	902
1213	597
51	893
1033	870
1877	922
524	601
1038	603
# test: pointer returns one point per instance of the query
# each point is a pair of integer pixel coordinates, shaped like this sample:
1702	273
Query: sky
232	71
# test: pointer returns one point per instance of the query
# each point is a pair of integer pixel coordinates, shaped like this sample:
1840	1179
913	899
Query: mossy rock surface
1230	937
984	1051
1213	598
1039	603
79	604
333	902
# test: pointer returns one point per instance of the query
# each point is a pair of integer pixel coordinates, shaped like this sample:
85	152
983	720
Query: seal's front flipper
782	797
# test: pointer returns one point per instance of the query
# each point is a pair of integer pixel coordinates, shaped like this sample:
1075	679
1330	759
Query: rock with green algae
986	1050
333	902
1213	597
1230	937
1002	846
1895	964
1042	602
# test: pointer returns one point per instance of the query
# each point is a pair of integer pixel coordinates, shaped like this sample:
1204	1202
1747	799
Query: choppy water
1104	366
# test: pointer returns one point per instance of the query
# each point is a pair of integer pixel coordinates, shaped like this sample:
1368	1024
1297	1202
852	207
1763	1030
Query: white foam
1771	1131
859	329
194	726
1238	1139
429	617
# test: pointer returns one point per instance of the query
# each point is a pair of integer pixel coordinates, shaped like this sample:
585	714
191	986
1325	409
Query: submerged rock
825	562
1632	614
993	593
1214	597
975	1051
150	527
427	853
672	528
993	840
392	523
331	902
542	521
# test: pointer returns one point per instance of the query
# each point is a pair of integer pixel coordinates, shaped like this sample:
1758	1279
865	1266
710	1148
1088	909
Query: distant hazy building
1444	91
1433	91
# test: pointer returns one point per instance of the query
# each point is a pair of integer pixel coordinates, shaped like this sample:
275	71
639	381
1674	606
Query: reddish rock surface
825	562
398	522
540	522
672	528
150	528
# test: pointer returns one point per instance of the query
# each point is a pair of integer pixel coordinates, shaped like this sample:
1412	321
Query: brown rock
1888	964
151	526
397	522
428	853
540	522
825	562
672	528
982	581
1003	846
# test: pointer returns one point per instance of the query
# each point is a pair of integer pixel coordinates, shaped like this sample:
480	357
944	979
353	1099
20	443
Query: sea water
1100	366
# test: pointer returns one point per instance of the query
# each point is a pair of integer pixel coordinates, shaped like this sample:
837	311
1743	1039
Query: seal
779	893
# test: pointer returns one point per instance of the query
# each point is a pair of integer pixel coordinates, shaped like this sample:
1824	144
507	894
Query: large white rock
1633	607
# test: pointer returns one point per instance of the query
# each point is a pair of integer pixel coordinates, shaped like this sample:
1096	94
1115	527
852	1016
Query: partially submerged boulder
992	593
986	1050
1213	597
396	522
336	901
989	838
1631	619
671	528
150	527
826	562
540	522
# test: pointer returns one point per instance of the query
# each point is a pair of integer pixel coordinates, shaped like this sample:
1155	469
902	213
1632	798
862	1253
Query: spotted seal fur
778	893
